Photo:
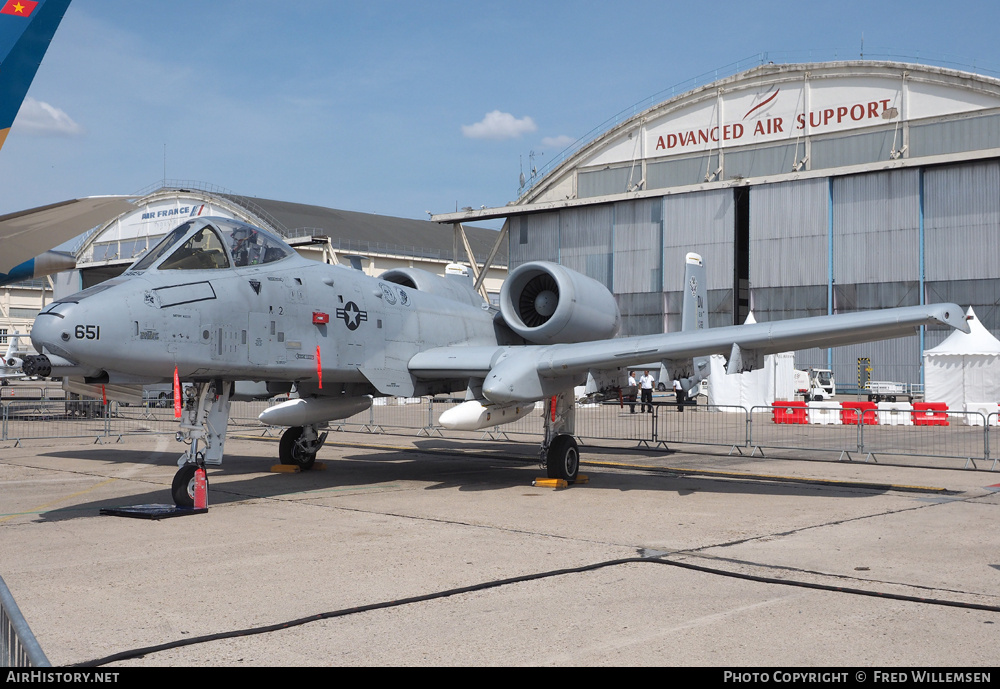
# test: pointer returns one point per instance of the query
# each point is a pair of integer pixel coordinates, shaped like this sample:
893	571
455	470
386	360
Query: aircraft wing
533	372
27	234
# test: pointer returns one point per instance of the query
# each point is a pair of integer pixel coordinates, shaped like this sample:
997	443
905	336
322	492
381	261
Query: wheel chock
558	482
549	483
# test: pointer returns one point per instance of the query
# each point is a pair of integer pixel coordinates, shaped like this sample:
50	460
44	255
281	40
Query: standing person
679	395
631	393
646	385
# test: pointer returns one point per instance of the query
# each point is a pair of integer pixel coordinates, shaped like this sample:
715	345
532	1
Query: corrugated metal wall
966	134
961	233
789	234
638	238
534	238
702	222
759	161
961	221
876	225
616	180
642	313
587	240
678	172
855	149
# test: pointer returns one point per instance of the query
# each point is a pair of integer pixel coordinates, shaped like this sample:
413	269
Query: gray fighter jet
217	303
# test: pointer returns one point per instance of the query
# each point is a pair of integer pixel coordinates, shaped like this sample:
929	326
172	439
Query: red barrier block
850	412
789	412
930	414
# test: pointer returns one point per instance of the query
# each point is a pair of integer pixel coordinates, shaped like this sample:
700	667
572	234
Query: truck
815	384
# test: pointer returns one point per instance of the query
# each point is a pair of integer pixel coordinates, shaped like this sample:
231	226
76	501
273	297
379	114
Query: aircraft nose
51	332
62	343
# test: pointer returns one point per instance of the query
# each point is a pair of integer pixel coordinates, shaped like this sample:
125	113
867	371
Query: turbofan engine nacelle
546	303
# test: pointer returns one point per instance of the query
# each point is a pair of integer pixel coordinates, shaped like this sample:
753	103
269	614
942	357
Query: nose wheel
182	488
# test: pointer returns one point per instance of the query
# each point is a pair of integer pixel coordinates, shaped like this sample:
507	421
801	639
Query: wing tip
952	315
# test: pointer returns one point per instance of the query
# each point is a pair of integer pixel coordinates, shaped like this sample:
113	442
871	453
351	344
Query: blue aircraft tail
26	28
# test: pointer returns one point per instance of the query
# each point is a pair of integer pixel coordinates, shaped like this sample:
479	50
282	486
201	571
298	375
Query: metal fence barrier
874	433
952	435
55	419
969	436
612	421
769	429
702	424
18	646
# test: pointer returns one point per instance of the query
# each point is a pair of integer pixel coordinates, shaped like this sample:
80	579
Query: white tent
755	388
964	369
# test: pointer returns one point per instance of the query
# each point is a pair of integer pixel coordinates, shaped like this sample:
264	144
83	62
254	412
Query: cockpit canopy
213	243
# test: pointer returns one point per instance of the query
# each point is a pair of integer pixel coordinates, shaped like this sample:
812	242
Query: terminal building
808	189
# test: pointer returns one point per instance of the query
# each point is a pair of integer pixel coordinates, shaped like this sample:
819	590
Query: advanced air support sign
770	109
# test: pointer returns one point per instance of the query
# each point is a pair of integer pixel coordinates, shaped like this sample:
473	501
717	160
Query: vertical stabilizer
26	28
694	314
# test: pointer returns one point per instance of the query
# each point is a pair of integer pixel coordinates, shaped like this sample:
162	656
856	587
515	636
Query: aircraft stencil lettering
554	330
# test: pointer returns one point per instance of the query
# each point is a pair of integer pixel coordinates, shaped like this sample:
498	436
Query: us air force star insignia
352	315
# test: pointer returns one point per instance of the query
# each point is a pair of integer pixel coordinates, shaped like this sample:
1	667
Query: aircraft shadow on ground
248	477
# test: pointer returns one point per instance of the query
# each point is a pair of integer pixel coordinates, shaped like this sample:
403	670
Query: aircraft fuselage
257	322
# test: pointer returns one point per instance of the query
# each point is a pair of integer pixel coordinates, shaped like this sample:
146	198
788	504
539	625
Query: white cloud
38	117
499	125
560	142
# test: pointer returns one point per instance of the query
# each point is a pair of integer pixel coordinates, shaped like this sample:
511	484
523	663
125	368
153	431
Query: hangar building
807	188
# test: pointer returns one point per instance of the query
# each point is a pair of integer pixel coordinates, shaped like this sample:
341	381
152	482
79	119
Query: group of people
645	387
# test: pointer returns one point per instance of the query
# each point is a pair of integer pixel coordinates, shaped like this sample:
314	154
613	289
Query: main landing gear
299	445
560	454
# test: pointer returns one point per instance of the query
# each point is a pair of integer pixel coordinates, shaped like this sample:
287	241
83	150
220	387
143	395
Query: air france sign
158	218
173	212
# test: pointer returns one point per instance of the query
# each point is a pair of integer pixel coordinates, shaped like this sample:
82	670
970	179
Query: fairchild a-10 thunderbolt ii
219	303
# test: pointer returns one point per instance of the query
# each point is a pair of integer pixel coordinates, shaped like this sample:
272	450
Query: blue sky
400	107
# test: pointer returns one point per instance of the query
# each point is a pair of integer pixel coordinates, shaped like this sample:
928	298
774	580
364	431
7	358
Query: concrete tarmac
394	517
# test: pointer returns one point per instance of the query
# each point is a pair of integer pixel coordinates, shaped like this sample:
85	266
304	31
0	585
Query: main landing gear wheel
291	452
182	489
563	458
